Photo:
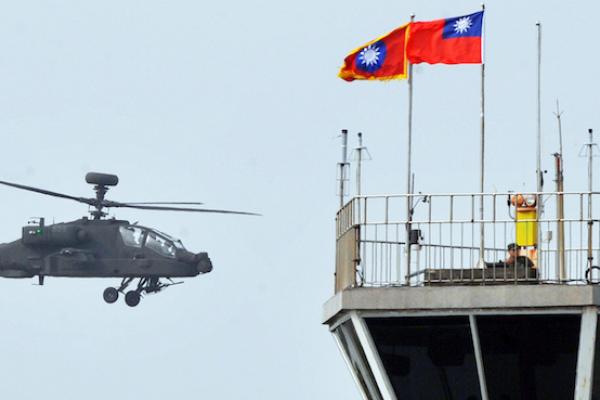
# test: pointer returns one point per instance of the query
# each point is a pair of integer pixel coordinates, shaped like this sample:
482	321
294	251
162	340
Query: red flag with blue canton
454	40
382	59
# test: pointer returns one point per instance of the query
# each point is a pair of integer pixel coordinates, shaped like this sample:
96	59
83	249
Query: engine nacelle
53	235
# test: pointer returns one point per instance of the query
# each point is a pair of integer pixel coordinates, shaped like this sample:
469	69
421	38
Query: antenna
558	114
343	166
591	147
538	170
358	157
539	173
560	205
588	150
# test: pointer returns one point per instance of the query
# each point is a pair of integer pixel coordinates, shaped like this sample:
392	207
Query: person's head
512	249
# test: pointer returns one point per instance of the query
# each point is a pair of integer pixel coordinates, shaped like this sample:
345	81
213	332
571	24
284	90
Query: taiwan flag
446	41
381	59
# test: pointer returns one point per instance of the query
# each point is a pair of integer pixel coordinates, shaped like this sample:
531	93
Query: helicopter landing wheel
132	298
110	295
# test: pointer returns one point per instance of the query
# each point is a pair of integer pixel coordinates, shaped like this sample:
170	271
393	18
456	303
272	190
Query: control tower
448	302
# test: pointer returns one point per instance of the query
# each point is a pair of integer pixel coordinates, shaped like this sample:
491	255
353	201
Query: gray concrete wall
462	298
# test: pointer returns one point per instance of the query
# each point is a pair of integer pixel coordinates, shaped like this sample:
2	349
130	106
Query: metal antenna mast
539	172
560	205
590	155
588	150
361	153
538	169
558	114
342	166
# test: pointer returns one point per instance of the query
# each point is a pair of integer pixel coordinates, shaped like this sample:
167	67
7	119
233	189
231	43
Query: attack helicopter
100	247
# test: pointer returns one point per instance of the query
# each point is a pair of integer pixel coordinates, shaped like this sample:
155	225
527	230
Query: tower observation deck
430	305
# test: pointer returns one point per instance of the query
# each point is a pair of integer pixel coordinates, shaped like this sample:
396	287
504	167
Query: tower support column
585	356
366	341
478	356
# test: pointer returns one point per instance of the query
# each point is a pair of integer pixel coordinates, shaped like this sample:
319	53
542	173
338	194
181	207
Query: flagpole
482	151
409	169
539	173
539	112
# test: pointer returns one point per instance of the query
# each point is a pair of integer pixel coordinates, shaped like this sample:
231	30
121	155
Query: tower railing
445	240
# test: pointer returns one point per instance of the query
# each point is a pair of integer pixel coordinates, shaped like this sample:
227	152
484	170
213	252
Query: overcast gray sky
237	104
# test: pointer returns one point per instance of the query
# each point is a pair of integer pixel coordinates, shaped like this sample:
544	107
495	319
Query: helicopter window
132	236
160	245
175	241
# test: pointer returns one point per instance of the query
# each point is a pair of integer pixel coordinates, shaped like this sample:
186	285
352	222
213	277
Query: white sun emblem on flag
462	25
369	55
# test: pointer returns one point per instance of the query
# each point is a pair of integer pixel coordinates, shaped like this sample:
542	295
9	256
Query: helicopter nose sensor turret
200	261
204	264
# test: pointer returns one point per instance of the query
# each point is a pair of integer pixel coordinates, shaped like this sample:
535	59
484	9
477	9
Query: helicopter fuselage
98	248
105	248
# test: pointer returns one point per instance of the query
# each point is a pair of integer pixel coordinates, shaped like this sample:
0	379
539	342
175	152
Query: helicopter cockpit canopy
160	243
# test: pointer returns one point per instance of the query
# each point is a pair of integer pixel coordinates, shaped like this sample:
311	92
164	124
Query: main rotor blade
186	203
158	208
47	192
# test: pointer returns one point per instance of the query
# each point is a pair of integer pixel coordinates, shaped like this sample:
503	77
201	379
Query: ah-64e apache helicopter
104	248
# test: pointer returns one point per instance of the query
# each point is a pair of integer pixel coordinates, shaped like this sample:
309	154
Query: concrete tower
516	322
